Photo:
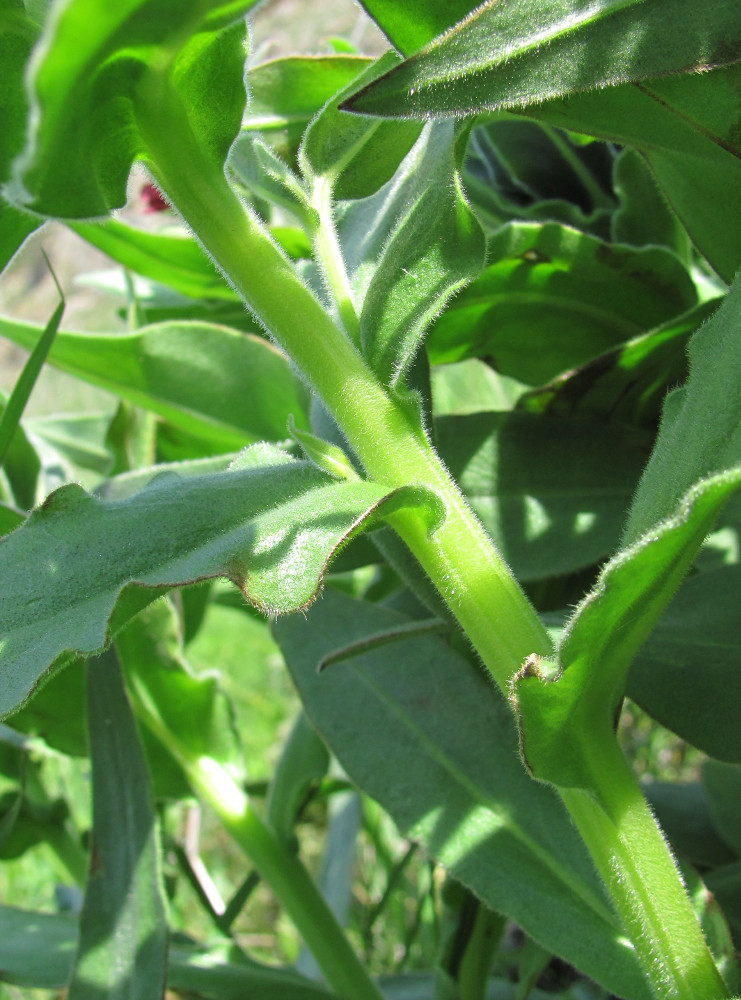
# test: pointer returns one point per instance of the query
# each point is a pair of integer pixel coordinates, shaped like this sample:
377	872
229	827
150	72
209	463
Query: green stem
638	869
276	864
459	557
329	256
288	879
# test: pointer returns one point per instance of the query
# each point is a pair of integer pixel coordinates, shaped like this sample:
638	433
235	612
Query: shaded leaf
356	156
259	168
122	948
505	54
690	159
24	935
683	812
722	784
565	715
700	431
554	298
458	789
270	524
687	675
193	374
304	760
552	492
408	250
627	384
644	216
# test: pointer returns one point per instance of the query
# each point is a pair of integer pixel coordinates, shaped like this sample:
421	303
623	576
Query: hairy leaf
552	492
285	95
122	948
508	54
356	156
270	524
686	129
628	384
408	250
697	435
554	298
458	788
687	675
562	716
231	388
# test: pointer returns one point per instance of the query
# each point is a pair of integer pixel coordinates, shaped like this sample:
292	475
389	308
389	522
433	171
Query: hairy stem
459	557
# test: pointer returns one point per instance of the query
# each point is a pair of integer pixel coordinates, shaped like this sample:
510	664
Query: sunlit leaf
270	524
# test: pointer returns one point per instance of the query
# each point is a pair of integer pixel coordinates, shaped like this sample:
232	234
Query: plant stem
459	557
638	869
329	256
288	879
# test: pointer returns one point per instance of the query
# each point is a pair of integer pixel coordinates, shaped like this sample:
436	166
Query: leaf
700	432
722	784
285	95
565	715
175	261
192	374
22	467
17	34
103	76
505	55
192	707
683	813
627	384
644	216
411	25
354	155
555	298
687	675
13	409
458	789
303	762
552	492
122	949
270	524
24	935
259	168
691	155
409	248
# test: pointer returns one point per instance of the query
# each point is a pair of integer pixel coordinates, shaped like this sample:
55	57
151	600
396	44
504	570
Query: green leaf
17	34
25	935
644	216
175	261
687	675
270	524
193	374
409	248
303	762
259	168
700	431
722	784
411	25
505	55
356	156
555	298
13	409
564	715
286	94
683	812
103	77
691	154
21	466
552	492
193	708
628	384
122	950
452	780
